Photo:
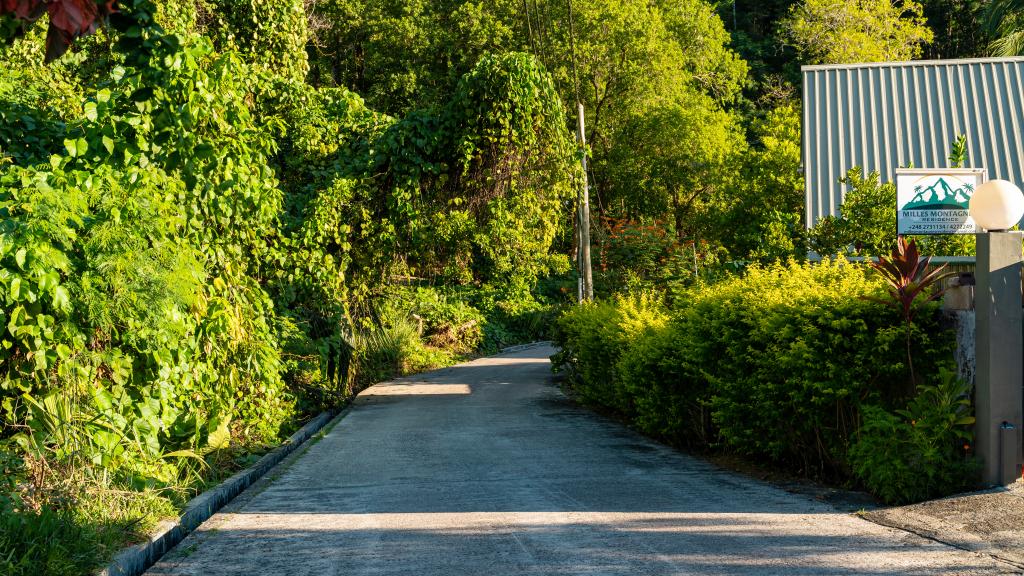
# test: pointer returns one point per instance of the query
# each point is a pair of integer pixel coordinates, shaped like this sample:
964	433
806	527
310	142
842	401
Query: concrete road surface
487	469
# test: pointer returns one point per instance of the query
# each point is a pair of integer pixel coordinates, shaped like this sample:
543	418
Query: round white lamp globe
997	205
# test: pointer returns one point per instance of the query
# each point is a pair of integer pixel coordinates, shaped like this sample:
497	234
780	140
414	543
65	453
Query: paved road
486	469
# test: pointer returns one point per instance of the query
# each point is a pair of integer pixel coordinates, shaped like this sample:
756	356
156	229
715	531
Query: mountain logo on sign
940	196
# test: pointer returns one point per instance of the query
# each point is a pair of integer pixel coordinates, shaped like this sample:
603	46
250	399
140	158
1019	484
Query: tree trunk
677	213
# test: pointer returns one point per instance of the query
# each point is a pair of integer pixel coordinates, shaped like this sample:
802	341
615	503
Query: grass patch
67	524
79	537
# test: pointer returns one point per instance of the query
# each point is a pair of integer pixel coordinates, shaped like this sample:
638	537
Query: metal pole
587	274
1000	370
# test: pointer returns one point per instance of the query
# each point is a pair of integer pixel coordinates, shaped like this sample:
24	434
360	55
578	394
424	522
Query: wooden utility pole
585	283
586	291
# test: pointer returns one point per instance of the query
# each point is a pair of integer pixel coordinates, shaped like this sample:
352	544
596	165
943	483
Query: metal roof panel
886	115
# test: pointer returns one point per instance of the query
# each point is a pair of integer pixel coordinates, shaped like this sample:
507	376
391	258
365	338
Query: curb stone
135	560
985	522
943	537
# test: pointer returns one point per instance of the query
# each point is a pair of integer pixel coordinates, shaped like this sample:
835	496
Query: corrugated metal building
888	115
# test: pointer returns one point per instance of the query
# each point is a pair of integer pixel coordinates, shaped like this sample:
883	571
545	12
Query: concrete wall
963	324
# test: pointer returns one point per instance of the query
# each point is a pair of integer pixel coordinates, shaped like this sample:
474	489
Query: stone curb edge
944	534
942	539
521	347
137	559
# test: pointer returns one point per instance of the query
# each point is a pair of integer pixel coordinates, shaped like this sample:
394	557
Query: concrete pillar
1000	370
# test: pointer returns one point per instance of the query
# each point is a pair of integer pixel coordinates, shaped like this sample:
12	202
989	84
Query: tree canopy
847	31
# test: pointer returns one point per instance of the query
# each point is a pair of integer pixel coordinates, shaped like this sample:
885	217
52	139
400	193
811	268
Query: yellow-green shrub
791	353
777	363
593	337
667	388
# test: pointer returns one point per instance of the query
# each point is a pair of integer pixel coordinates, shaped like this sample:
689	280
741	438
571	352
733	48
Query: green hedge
593	338
781	364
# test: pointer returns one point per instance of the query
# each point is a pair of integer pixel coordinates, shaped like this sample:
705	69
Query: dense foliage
199	250
839	31
802	344
691	108
917	453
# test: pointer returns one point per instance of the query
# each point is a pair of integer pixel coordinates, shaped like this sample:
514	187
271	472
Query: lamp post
996	206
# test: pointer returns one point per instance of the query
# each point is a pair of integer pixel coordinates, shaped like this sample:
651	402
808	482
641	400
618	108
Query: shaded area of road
486	468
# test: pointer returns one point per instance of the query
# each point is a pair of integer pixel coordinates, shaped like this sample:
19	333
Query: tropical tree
959	27
709	58
402	55
672	161
655	80
620	61
764	219
847	31
755	31
1004	21
619	58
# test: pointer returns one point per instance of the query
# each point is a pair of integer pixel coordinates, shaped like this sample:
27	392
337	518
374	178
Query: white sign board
935	201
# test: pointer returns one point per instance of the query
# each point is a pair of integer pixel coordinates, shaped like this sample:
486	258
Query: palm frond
999	11
1004	21
1011	44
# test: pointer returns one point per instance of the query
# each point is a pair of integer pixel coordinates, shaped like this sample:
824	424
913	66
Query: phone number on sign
937	227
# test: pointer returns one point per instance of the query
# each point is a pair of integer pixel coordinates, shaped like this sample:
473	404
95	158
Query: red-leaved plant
910	282
69	19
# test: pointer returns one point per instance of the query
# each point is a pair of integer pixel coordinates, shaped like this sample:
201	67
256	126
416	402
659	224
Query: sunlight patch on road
751	524
511	361
417	389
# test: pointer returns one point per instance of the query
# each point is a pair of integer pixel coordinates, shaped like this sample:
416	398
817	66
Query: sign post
936	201
959	201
